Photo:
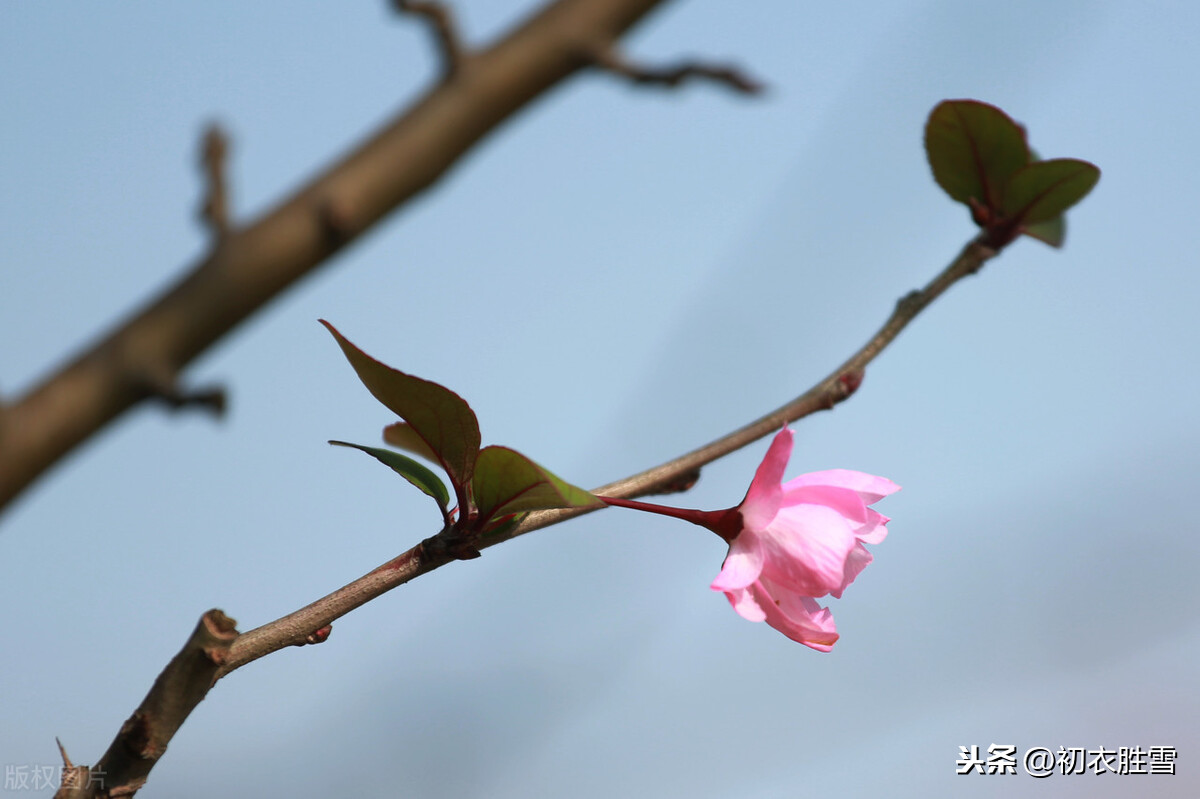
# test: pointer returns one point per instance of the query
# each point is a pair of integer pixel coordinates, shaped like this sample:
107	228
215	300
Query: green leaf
507	482
437	415
973	149
409	469
402	436
1043	190
1053	231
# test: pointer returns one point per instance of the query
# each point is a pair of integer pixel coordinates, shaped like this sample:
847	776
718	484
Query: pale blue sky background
616	276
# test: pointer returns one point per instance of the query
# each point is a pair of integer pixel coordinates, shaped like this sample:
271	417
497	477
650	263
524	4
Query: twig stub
164	387
442	26
214	208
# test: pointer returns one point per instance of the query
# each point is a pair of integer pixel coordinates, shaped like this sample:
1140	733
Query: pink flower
793	542
799	541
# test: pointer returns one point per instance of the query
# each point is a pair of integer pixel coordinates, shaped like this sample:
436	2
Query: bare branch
610	59
214	209
256	262
445	32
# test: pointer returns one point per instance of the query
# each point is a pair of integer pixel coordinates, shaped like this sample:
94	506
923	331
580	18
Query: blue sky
614	277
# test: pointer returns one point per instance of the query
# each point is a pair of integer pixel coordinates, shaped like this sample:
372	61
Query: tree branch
312	623
610	59
258	261
144	736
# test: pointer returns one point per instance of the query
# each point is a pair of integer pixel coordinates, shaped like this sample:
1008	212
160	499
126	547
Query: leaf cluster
981	158
491	484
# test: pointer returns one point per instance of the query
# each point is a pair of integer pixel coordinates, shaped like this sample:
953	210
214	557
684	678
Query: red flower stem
725	523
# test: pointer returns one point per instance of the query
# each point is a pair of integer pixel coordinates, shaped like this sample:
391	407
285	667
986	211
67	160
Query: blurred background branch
252	264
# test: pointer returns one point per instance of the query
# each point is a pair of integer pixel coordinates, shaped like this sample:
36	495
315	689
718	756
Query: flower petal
745	604
875	529
869	487
743	564
805	549
843	500
856	561
803	620
765	495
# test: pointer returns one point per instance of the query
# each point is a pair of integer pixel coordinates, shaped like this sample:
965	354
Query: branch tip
214	208
62	750
610	59
442	26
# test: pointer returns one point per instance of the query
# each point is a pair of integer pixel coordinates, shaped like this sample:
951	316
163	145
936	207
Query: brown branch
257	262
214	209
181	686
312	623
609	58
445	32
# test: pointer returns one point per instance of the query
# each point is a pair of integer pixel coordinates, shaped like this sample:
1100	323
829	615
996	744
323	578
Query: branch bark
249	266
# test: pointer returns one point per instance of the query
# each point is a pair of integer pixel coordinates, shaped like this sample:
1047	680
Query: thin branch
214	209
258	261
610	59
312	623
837	386
445	31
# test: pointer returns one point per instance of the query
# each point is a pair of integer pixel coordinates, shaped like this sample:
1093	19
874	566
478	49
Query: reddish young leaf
508	482
402	436
973	150
1043	190
438	416
1052	232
